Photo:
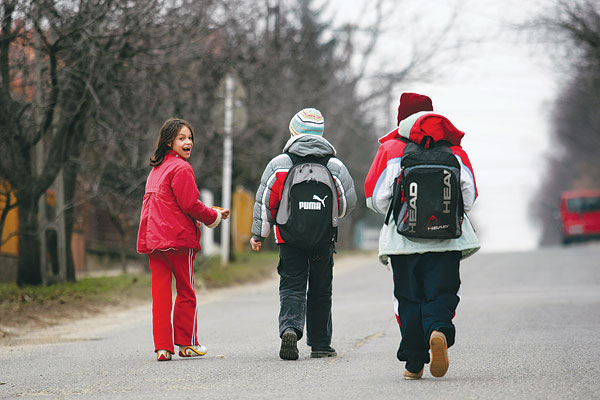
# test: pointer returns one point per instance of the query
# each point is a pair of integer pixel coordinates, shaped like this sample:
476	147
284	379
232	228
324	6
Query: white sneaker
192	351
163	355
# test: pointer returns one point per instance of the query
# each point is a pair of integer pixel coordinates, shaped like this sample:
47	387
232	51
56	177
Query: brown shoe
439	354
411	376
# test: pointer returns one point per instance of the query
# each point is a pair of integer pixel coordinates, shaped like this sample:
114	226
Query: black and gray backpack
427	198
308	212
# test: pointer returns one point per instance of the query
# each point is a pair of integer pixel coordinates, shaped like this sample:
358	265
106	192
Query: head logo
433	220
434	225
412	206
447	192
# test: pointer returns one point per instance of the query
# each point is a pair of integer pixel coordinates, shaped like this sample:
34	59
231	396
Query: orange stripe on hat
307	121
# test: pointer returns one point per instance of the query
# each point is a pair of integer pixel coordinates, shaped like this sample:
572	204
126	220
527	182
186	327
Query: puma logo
312	205
315	197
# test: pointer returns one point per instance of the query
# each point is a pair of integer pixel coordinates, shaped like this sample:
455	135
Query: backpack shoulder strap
410	146
296	159
394	206
293	157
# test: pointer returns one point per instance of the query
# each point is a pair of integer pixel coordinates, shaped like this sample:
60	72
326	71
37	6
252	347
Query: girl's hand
224	212
256	244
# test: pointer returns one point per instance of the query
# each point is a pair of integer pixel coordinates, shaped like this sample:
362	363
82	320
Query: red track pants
163	265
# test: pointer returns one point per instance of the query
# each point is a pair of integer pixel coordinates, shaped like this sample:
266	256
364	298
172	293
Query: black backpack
427	198
308	212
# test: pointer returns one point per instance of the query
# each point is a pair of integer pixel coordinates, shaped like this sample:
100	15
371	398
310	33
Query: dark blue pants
426	293
296	268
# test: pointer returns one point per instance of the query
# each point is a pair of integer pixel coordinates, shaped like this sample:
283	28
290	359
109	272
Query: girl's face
183	143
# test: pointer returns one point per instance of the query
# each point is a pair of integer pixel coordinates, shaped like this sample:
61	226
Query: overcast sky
499	94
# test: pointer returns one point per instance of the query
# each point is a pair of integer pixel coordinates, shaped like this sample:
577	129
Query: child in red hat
425	271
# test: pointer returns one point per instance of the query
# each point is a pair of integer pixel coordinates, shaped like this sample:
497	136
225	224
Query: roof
572	194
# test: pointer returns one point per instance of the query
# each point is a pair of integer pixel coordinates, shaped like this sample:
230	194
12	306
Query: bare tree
575	119
170	73
55	59
85	86
289	58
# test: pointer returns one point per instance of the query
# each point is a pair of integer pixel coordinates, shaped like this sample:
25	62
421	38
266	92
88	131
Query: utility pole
208	235
227	161
231	114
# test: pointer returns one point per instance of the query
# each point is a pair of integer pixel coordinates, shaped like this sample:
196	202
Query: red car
580	215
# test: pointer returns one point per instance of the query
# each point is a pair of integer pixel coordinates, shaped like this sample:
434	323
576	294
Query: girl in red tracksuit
169	233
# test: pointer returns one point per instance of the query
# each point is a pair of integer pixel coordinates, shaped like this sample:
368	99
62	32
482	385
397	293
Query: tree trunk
69	179
29	271
123	249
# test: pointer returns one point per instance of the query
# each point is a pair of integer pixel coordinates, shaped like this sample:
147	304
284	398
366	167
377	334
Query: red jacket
387	163
171	208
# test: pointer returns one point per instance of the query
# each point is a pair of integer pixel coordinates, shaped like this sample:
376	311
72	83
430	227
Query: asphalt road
528	327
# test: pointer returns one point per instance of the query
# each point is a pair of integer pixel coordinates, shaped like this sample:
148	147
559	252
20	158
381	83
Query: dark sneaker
289	345
321	352
439	354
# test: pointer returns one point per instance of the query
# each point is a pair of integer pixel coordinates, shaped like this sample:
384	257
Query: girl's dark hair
167	134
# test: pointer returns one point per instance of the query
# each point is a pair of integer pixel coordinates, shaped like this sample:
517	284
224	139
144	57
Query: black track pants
296	268
426	294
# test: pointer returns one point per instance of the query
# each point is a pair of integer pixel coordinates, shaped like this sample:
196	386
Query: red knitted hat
411	103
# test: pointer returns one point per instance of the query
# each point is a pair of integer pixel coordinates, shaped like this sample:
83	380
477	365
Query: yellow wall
11	225
241	215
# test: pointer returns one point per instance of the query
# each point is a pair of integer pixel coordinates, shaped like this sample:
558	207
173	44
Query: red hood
419	125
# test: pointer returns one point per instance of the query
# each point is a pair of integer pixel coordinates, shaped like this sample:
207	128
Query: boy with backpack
302	194
422	181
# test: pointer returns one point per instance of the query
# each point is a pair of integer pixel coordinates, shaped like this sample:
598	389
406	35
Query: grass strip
39	306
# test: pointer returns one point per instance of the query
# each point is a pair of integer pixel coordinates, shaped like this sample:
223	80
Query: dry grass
33	307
